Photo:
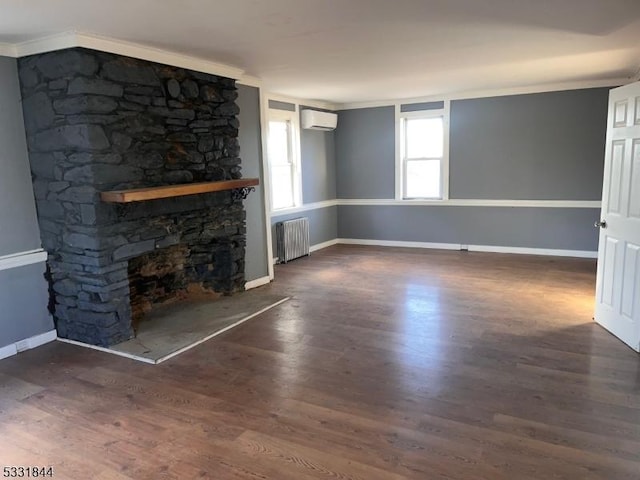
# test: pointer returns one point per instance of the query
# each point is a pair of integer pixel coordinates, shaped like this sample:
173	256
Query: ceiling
345	51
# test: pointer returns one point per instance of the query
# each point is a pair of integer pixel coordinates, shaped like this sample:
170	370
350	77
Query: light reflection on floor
421	326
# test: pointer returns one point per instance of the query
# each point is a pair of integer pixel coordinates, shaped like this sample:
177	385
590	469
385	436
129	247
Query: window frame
401	160
292	116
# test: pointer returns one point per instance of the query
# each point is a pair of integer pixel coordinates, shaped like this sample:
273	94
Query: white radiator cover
292	239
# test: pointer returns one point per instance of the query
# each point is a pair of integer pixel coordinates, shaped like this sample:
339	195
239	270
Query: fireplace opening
163	277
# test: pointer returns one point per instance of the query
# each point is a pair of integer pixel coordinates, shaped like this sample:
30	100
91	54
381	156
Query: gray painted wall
544	146
365	153
323	224
547	146
23	290
18	221
256	258
318	156
23	303
552	228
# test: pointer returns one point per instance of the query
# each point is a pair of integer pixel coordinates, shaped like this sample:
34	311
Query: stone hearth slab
176	328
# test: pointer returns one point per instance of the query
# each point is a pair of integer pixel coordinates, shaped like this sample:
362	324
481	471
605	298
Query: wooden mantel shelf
153	193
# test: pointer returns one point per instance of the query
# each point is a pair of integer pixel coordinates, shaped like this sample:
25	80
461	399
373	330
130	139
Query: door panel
631	281
608	278
616	166
621	108
618	279
634	182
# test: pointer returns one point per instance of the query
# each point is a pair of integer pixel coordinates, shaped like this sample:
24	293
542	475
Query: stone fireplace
99	122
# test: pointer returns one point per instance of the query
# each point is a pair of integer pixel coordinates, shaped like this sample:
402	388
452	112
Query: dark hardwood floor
386	364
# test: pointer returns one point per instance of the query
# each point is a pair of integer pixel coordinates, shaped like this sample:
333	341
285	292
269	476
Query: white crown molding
249	81
301	101
50	43
22	259
472	203
106	44
499	92
7	50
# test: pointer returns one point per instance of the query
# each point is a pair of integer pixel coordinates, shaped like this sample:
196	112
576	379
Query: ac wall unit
316	120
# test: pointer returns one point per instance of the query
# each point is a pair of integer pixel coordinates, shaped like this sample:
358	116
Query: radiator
292	239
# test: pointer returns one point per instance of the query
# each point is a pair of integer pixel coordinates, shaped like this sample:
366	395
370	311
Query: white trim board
472	203
320	246
266	176
471	248
106	350
177	352
27	344
258	282
21	259
304	208
439	203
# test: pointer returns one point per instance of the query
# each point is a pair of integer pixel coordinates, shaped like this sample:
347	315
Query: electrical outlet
464	248
22	345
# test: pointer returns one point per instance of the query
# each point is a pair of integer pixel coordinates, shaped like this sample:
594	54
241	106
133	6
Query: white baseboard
320	246
453	246
471	248
315	248
398	243
258	282
534	251
8	351
27	344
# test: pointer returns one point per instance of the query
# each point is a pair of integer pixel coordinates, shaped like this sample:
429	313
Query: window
422	168
283	163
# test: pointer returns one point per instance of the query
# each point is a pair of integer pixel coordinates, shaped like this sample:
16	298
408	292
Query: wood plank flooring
386	364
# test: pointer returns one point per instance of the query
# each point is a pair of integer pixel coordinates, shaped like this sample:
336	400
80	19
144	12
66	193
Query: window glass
279	139
281	156
425	137
423	179
421	163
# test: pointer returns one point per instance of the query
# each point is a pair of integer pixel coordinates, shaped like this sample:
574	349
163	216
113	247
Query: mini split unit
316	120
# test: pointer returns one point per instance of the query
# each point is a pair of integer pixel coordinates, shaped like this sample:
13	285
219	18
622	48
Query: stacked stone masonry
97	122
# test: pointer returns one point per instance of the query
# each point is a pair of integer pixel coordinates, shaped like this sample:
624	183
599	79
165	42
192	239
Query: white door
618	281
